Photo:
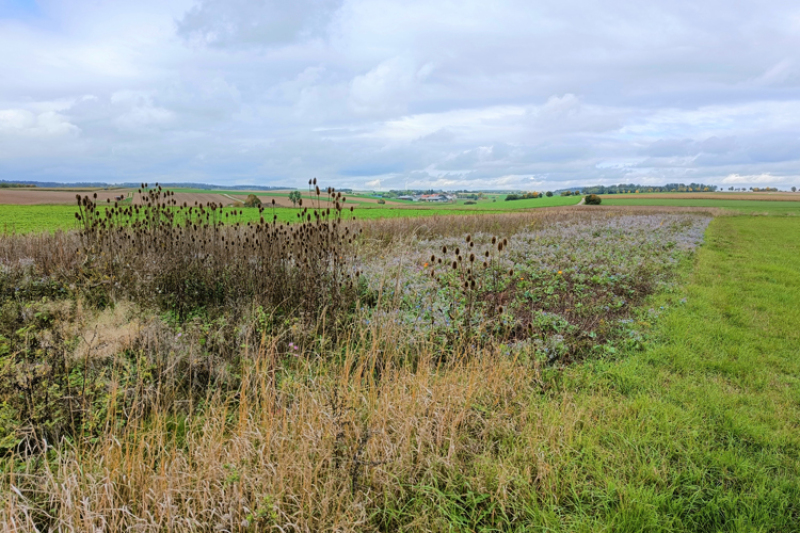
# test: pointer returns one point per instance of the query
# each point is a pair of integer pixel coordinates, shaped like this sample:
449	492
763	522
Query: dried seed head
469	237
471	258
494	240
444	249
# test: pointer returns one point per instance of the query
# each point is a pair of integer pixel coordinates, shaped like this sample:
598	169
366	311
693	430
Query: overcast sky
512	94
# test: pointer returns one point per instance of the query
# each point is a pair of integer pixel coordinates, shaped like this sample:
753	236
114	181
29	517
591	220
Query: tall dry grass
322	449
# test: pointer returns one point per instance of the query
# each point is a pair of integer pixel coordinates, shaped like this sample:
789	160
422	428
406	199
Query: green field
699	431
26	219
743	206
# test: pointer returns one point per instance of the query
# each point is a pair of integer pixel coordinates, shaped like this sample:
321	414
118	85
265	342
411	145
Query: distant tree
382	201
252	201
549	194
512	197
794	189
592	199
295	197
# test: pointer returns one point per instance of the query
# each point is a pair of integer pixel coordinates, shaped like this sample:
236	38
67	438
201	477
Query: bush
592	199
382	201
549	194
252	201
512	197
470	202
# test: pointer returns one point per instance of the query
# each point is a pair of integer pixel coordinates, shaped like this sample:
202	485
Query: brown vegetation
205	374
773	196
42	197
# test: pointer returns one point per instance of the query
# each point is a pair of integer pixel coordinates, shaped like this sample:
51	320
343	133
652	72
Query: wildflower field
192	368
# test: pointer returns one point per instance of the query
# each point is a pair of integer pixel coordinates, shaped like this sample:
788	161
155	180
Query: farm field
743	205
25	219
617	369
44	197
751	196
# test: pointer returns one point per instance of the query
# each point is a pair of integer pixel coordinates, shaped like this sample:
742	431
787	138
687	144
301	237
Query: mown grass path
700	431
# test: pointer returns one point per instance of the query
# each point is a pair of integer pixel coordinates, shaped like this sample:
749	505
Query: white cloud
23	123
464	94
763	179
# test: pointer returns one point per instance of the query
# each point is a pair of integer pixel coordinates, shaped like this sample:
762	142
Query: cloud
243	23
379	93
20	122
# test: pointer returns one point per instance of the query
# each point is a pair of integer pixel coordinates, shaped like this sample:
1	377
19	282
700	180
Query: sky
396	94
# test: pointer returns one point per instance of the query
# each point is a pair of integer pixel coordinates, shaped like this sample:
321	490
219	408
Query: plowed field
34	197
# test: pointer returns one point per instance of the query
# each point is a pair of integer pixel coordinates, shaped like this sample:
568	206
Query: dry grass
302	455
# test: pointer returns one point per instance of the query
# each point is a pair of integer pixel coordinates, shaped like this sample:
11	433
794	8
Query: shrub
252	201
382	201
592	199
549	194
512	197
470	202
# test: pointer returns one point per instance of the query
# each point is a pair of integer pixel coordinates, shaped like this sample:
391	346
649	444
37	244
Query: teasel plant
207	257
473	279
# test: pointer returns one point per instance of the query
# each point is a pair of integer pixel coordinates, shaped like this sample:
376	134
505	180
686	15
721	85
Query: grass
743	206
692	428
699	431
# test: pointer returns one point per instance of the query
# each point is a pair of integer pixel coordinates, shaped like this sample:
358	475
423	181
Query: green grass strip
700	432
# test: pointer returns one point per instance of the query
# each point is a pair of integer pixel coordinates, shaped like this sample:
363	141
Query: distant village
436	197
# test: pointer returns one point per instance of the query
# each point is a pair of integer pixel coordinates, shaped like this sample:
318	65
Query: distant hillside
99	185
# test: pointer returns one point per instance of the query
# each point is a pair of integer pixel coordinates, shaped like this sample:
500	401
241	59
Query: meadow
558	370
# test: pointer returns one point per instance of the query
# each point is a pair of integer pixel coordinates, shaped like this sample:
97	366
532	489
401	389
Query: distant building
434	198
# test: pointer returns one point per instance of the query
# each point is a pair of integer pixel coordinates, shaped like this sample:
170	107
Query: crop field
43	197
745	205
573	369
749	196
33	218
